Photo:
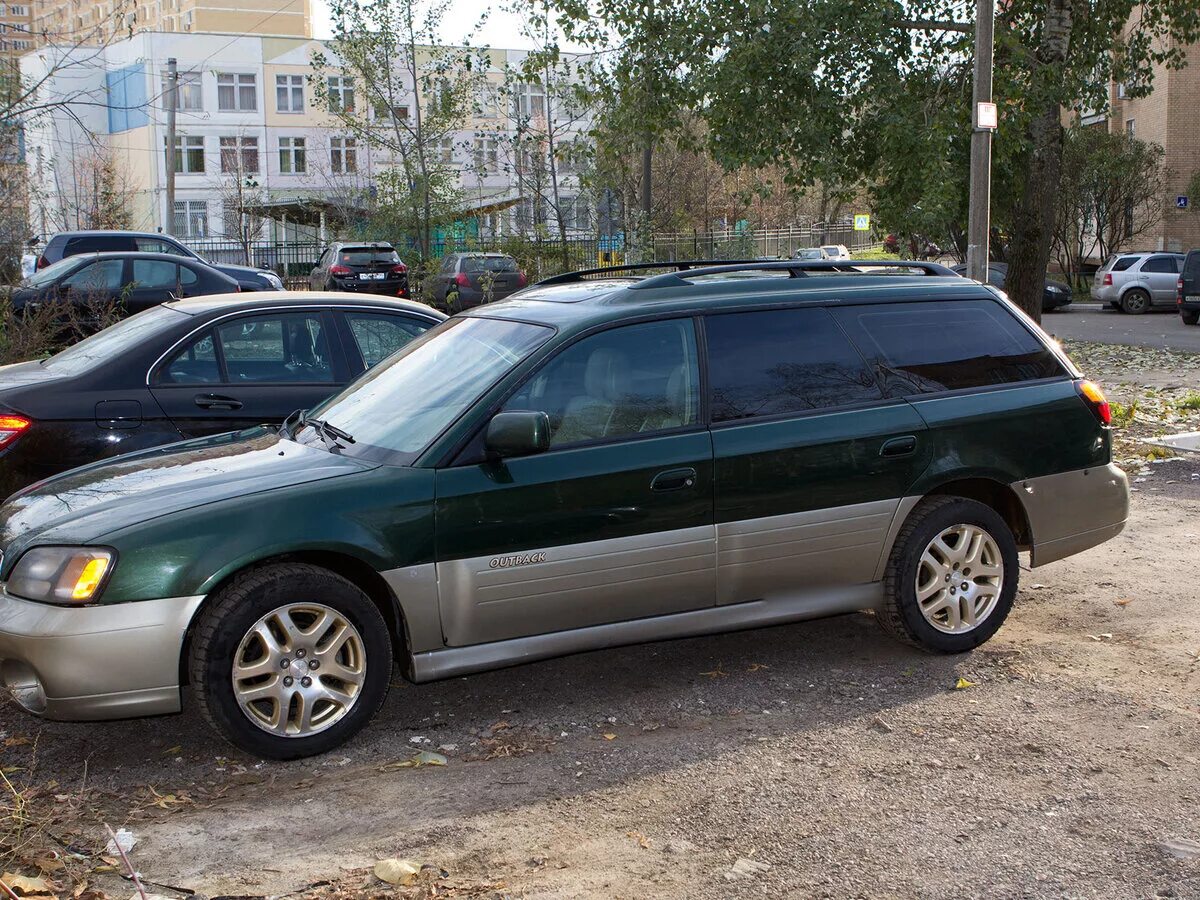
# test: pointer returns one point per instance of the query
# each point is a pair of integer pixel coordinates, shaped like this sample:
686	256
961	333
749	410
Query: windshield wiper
287	429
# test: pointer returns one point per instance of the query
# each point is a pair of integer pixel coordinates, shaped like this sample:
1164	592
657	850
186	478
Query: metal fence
291	260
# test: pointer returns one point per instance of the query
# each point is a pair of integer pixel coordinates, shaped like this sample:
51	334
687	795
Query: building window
343	155
1122	92
577	213
445	149
239	155
530	101
289	93
19	11
1131	127
399	112
485	156
191	218
189	154
237	222
341	93
291	156
237	92
189	96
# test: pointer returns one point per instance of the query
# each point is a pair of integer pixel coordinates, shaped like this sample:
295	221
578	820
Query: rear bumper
1073	511
391	287
94	662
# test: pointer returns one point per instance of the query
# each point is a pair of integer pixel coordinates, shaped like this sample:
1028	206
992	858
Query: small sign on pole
1181	202
986	116
862	222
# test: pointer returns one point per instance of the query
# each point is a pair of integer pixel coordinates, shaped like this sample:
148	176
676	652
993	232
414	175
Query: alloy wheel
959	579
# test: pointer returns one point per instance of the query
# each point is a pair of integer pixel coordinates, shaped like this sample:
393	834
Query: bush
44	330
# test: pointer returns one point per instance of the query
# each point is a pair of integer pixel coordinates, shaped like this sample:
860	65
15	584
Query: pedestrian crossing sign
862	222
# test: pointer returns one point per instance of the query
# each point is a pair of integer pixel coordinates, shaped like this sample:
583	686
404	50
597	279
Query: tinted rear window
948	345
782	361
1124	263
116	340
364	256
100	243
490	264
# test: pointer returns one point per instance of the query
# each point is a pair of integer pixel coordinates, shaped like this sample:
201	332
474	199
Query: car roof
197	306
138	254
568	301
102	232
387	244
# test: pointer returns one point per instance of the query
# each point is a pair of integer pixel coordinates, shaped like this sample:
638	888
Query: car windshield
364	256
53	272
114	341
476	264
398	408
832	251
810	254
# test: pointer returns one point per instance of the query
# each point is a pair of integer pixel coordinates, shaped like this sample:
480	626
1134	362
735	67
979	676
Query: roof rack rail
678	265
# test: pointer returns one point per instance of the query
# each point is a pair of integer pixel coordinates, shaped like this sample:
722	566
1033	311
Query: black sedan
1055	294
136	281
190	368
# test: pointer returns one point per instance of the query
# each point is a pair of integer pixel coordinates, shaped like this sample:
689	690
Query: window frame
237	85
289	153
287	82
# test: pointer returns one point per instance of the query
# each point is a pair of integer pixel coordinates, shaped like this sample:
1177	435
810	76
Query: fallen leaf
718	672
962	684
9	770
25	886
754	667
1124	601
609	736
500	726
397	871
178	748
640	838
15	741
424	758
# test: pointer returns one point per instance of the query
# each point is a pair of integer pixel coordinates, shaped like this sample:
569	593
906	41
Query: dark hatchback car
469	279
1188	289
136	281
74	243
1055	294
362	268
191	368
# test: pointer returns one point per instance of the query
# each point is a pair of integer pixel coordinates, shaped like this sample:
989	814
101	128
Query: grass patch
1190	400
1123	414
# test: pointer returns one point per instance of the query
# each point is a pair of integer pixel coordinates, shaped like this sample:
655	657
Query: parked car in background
135	281
836	251
191	368
1055	294
811	254
604	461
469	279
1188	289
1137	282
74	243
362	267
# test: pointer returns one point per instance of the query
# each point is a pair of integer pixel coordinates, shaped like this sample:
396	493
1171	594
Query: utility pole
647	174
171	95
979	217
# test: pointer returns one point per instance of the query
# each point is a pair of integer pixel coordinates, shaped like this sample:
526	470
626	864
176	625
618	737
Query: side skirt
451	661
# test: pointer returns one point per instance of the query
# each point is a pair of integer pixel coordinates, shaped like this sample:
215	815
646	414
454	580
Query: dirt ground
1060	760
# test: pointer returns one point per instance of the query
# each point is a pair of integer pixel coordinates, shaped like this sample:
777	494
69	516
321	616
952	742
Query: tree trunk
1029	251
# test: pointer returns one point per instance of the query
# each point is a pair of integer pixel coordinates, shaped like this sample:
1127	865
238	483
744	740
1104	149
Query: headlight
61	574
275	280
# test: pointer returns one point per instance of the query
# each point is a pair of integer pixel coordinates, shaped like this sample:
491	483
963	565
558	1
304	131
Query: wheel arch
358	572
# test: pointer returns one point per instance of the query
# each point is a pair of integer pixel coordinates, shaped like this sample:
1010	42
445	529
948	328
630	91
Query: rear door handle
673	480
215	401
899	446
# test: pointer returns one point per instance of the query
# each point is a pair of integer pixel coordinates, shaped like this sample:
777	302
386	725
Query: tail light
462	280
521	279
403	292
11	428
1096	401
1107	279
399	269
1179	292
42	261
339	270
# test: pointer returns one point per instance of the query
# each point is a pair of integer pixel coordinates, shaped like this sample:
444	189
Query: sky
500	30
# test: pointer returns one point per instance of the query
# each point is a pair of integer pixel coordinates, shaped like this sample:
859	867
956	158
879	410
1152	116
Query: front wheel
951	577
1190	316
290	661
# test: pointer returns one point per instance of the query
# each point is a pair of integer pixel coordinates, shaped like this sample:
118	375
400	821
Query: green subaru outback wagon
602	459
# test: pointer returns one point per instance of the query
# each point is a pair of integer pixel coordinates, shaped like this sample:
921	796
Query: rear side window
1161	264
782	361
99	243
154	274
948	345
1124	263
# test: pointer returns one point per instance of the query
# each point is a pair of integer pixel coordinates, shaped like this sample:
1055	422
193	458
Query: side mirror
518	433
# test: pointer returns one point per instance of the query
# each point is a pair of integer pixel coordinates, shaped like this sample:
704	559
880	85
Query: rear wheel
290	660
1135	302
951	577
1190	316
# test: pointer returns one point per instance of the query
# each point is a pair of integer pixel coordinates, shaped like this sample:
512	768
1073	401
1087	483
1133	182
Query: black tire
900	614
1135	302
234	611
1190	316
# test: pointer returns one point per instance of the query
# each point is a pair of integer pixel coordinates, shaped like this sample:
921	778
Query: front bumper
1073	511
94	662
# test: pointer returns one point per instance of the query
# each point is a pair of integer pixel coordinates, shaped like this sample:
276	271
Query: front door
811	462
613	522
249	370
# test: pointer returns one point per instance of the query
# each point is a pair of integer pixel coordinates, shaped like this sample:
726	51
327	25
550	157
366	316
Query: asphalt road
1088	322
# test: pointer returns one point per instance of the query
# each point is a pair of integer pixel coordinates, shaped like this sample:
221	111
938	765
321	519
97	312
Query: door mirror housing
518	433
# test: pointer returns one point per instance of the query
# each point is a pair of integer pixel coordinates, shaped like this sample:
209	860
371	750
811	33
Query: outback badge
507	562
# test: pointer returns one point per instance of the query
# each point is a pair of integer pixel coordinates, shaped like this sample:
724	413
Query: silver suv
1136	282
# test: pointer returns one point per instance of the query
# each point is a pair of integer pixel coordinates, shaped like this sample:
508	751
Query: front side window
102	278
379	336
621	383
154	274
400	406
948	345
289	93
292	156
154	245
237	92
780	362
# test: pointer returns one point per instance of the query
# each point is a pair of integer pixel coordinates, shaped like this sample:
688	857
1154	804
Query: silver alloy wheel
959	579
299	670
1135	301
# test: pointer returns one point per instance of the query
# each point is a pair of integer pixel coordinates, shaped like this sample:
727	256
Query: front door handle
673	480
215	401
899	446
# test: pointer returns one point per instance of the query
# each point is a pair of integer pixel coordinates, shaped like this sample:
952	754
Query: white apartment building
246	125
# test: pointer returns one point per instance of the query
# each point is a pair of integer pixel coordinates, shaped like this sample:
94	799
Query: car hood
83	505
229	269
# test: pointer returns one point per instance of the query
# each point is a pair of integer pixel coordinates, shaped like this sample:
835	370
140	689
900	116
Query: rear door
1161	273
811	460
248	370
154	281
370	337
